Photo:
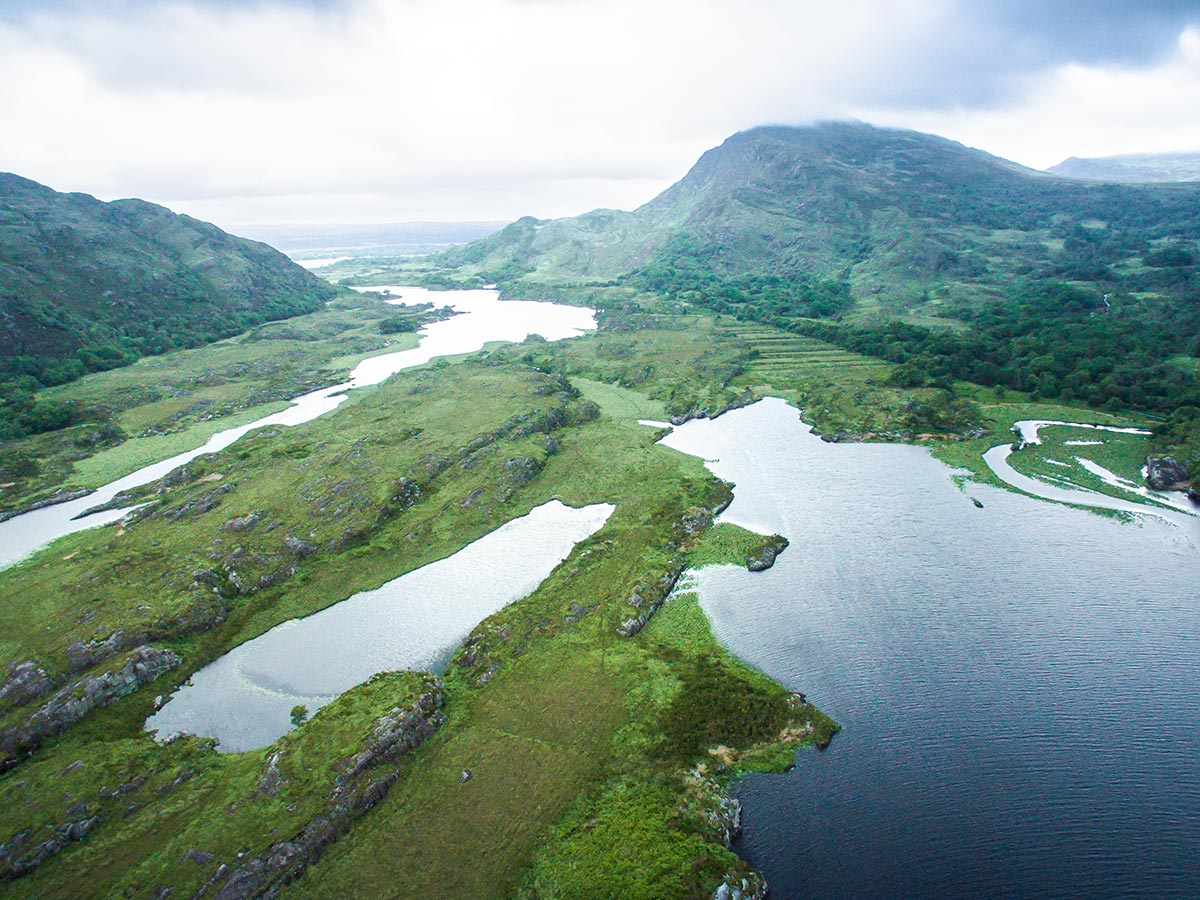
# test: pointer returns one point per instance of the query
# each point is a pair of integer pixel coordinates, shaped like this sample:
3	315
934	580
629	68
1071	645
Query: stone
25	681
1166	473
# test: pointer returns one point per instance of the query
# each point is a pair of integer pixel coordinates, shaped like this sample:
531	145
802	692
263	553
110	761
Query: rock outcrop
24	683
362	783
27	850
749	887
1166	473
76	700
767	555
647	597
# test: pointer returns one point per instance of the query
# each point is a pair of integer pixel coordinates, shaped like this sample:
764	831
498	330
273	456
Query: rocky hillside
87	285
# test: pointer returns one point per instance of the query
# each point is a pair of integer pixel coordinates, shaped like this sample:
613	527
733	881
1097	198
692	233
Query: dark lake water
1018	685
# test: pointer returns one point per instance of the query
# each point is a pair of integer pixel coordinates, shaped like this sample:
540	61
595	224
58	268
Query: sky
357	111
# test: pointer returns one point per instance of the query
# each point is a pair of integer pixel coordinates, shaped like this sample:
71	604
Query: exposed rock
717	813
1166	473
519	472
696	520
767	556
61	497
647	598
705	413
298	546
201	504
24	682
273	778
17	858
82	656
243	523
79	698
393	735
750	887
406	493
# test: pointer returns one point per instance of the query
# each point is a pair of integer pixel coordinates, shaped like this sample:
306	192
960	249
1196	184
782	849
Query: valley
755	575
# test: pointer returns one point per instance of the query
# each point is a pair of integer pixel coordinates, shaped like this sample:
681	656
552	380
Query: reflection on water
412	622
483	318
1019	685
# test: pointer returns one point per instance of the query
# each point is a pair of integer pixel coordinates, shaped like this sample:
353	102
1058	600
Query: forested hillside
87	286
909	247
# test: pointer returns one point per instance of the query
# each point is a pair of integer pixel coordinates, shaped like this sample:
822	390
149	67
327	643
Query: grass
594	759
135	453
158	803
171	403
552	709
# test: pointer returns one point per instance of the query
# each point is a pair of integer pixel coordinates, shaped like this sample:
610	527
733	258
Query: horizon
328	111
248	228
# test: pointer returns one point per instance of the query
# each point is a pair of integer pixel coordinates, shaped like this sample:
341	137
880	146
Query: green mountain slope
905	246
87	285
903	219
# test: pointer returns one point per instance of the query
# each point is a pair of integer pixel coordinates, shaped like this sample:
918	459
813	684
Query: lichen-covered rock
362	783
751	886
77	699
25	682
1166	473
717	813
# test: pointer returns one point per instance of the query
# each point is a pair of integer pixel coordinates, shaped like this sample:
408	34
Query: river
1018	685
482	317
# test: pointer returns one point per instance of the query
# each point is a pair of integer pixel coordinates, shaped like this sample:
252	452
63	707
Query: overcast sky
373	111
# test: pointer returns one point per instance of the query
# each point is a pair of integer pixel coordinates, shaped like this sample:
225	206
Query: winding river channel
482	318
1018	684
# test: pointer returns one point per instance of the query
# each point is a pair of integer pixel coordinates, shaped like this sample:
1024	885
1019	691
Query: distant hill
1133	168
87	285
395	239
919	249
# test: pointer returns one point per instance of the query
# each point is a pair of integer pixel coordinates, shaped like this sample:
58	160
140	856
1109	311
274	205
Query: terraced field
780	359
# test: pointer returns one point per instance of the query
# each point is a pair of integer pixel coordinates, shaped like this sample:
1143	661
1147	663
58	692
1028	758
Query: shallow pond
1019	685
413	622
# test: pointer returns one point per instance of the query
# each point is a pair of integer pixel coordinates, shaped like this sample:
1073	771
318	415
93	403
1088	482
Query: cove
482	317
1018	685
412	622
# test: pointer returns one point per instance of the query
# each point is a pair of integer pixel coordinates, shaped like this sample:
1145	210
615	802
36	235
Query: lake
412	622
1018	685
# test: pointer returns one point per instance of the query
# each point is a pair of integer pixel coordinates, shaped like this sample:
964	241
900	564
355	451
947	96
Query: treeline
1055	343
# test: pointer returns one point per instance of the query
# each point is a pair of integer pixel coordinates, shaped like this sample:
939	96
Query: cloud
368	110
1080	110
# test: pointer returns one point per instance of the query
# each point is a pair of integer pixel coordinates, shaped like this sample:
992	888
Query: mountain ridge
87	285
1132	168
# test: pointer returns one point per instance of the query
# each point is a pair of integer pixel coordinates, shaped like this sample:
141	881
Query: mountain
906	246
87	285
1139	167
901	219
